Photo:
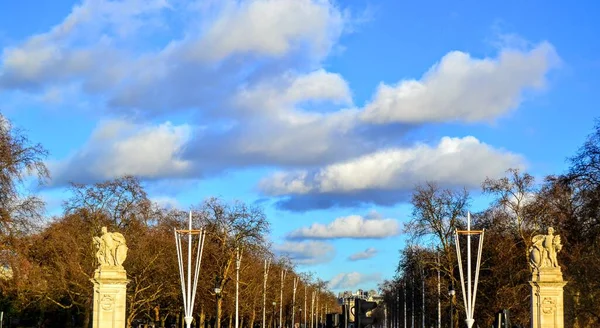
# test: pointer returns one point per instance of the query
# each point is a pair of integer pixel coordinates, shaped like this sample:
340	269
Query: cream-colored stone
111	249
546	282
110	281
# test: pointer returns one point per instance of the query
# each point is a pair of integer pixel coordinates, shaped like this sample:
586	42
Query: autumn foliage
520	208
46	263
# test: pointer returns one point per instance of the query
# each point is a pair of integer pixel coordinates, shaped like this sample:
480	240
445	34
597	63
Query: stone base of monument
110	286
547	298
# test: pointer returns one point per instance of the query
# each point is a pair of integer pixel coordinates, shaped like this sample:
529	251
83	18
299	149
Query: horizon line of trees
46	264
521	208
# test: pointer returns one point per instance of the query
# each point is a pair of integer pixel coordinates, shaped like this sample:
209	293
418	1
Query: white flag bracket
471	286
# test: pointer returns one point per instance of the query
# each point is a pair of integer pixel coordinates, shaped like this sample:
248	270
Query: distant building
370	295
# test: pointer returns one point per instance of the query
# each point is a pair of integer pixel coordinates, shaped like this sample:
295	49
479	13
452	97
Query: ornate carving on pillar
110	281
546	281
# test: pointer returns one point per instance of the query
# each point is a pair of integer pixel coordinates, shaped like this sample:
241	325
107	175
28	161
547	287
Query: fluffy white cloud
453	161
271	28
282	94
462	88
352	280
248	76
119	148
353	226
306	253
70	49
366	254
258	33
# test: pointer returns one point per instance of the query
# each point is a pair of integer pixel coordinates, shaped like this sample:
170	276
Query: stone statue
110	281
111	249
542	254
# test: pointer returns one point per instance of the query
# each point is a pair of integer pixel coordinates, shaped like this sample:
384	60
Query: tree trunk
218	319
230	320
252	318
86	317
202	316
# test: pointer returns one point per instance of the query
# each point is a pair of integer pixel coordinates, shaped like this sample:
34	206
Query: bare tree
513	193
436	214
230	226
19	159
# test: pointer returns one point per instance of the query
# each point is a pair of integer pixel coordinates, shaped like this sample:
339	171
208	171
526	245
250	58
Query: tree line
46	263
520	208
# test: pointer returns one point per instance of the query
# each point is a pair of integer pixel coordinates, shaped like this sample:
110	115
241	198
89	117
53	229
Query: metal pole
317	309
294	301
439	309
189	294
238	261
412	303
469	299
312	310
404	301
471	293
305	308
422	298
397	310
266	274
283	274
452	311
188	318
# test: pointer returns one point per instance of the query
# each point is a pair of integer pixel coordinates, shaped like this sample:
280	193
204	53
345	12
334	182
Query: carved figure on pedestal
544	249
111	248
110	281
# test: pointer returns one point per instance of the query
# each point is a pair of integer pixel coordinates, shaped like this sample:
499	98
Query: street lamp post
238	261
274	305
451	292
293	302
266	275
300	309
217	296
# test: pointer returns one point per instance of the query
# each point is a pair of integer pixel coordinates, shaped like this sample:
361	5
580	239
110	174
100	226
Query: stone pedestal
110	286
547	298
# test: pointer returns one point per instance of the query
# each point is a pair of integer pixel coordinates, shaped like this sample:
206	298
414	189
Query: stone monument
546	282
110	281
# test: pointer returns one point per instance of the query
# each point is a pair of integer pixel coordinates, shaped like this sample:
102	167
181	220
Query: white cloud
272	28
280	95
103	46
119	148
273	108
248	76
462	88
166	202
70	49
366	254
306	253
352	280
353	226
453	161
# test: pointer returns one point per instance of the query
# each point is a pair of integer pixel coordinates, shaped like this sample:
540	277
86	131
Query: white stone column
547	298
110	286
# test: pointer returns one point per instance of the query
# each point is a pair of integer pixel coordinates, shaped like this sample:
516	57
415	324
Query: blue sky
326	113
